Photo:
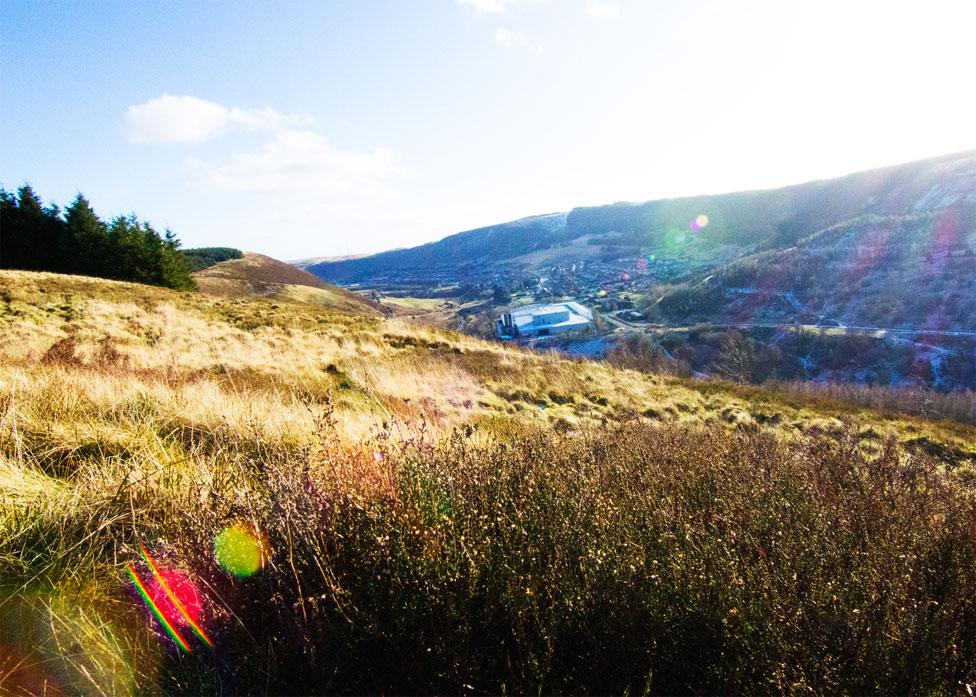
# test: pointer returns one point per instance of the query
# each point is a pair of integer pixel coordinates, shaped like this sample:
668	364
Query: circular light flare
699	223
239	550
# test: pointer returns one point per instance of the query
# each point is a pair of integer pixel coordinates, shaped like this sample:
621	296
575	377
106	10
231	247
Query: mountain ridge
738	220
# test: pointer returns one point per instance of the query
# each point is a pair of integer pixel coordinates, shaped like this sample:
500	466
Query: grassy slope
86	332
257	275
131	414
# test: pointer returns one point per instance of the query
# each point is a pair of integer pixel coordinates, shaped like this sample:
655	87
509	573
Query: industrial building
543	320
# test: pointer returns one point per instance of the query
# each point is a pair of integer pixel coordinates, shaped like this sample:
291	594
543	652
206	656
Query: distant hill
256	275
311	261
604	240
453	258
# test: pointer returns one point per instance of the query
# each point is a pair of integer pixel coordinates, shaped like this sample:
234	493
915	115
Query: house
543	320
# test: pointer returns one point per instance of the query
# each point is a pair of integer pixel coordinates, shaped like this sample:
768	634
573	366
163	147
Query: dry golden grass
259	276
201	360
130	413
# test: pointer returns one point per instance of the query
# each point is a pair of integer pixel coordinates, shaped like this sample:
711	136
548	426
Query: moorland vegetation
431	513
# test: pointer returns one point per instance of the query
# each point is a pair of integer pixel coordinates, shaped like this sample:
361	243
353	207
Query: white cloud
290	162
495	6
508	38
185	119
600	9
303	162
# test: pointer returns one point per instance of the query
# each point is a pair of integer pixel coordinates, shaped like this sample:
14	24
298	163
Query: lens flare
177	596
157	613
173	600
54	642
26	674
239	551
699	223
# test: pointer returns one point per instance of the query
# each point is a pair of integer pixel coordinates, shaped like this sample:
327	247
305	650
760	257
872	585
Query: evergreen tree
35	237
49	245
10	239
87	243
31	234
24	228
175	265
29	203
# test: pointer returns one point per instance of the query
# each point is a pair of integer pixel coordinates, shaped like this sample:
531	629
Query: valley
887	255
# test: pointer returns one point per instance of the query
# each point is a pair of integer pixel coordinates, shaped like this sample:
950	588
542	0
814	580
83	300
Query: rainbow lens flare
699	223
173	600
239	551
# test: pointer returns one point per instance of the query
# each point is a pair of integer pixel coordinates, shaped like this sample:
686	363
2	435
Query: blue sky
304	129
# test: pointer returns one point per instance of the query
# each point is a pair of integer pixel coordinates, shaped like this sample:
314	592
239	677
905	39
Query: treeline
44	238
205	257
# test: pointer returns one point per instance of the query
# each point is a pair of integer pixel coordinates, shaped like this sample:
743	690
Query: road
876	332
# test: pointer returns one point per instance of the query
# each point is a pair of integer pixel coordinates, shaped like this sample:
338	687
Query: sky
326	128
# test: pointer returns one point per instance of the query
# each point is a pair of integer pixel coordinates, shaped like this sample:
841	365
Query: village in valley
588	296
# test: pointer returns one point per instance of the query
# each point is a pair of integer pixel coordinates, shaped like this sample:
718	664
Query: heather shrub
641	557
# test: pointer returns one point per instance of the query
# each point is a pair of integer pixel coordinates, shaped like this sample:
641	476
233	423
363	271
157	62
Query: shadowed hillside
910	271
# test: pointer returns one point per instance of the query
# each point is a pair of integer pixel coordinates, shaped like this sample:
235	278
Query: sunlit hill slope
260	276
426	512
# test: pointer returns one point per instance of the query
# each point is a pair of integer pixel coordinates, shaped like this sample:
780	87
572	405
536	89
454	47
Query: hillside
902	272
867	278
344	502
618	236
454	258
376	366
256	275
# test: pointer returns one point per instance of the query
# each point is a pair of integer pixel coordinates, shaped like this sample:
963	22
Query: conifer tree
87	241
175	265
35	237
